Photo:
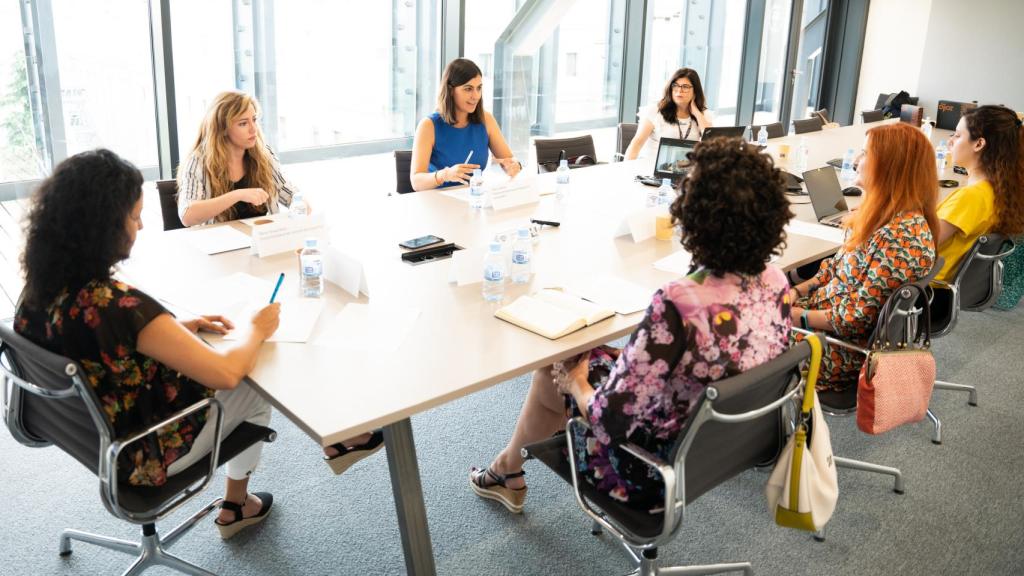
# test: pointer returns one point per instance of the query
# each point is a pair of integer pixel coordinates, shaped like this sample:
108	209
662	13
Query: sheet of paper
639	224
369	328
819	231
677	262
620	295
467	267
217	239
223	294
345	271
298	318
510	197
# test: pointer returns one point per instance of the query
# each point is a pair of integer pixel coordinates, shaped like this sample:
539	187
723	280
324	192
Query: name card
345	271
515	193
286	234
639	224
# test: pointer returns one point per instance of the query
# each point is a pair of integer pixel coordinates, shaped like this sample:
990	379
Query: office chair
812	124
823	114
775	130
872	116
623	136
403	171
737	424
47	400
168	190
579	150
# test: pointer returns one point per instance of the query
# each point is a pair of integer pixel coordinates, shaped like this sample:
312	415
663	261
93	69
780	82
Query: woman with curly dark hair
730	314
143	364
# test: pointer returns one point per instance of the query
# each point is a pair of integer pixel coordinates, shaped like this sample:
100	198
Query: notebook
826	196
552	313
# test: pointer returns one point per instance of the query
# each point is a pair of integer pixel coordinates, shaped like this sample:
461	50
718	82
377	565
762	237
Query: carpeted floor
961	513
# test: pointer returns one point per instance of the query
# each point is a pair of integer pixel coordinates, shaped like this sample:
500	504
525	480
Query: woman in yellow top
987	142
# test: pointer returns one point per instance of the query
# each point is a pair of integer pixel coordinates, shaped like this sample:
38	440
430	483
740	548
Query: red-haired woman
889	242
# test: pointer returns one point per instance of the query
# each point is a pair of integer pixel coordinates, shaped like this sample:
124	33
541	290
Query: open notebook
552	313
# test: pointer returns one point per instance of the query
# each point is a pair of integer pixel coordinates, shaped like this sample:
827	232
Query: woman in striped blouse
230	172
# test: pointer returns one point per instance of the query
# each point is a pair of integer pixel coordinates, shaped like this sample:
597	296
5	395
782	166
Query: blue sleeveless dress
451	145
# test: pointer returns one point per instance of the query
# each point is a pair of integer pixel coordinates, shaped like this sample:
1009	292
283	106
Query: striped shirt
192	184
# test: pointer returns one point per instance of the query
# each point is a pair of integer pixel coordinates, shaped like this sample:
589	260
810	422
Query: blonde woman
230	172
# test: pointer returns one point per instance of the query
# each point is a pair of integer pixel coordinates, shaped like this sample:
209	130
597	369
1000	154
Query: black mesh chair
403	171
812	124
579	150
823	114
775	130
737	424
168	190
623	136
47	401
872	116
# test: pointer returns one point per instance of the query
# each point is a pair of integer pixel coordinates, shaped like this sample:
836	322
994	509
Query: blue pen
280	279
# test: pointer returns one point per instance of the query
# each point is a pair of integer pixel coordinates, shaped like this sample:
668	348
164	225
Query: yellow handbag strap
812	372
805	414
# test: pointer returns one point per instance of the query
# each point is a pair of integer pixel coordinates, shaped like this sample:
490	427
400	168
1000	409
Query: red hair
899	176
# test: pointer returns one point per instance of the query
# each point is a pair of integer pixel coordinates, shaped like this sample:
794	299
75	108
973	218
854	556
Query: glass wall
771	71
809	63
19	157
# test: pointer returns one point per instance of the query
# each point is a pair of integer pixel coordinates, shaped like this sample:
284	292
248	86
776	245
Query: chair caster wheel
900	492
818	539
975	404
937	442
64	554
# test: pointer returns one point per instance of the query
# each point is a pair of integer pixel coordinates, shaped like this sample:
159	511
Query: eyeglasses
682	87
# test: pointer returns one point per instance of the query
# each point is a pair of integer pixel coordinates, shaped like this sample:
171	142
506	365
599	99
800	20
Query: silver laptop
826	196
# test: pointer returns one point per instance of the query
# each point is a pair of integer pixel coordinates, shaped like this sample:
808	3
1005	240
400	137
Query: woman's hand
511	166
213	323
794	314
459	173
571	383
265	321
254	196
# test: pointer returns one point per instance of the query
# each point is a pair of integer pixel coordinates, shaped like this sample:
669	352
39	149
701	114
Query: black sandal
239	523
346	457
510	498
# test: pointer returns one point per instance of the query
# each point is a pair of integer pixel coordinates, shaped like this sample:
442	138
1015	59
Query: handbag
896	380
803	488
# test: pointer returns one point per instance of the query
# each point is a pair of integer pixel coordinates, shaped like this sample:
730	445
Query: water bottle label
520	257
493	274
313	268
563	178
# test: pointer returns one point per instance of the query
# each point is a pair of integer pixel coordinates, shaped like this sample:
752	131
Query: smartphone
421	242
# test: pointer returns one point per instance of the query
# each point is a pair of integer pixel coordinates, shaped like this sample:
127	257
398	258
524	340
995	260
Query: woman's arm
499	147
285	190
171	343
643	132
200	211
945	232
816	319
703	120
422	145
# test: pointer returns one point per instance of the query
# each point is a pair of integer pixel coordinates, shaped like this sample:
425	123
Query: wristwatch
803	319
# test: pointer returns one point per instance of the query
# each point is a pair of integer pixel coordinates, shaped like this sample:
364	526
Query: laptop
826	196
672	161
723	131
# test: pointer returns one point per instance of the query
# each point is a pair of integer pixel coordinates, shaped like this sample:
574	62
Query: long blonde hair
212	148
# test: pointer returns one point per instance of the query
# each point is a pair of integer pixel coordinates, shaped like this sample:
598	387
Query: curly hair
75	230
1002	160
732	208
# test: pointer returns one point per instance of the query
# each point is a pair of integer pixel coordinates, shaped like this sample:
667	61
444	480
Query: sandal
489	484
346	457
239	523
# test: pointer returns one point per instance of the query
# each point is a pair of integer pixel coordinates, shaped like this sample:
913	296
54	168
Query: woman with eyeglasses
458	137
681	113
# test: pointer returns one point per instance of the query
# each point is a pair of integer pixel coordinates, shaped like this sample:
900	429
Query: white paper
620	295
639	224
287	234
677	262
369	328
510	197
467	267
223	294
819	231
217	239
298	318
345	271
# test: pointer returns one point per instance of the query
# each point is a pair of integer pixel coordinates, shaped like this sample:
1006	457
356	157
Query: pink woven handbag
896	380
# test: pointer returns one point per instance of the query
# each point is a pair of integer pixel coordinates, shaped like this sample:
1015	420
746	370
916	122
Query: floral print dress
97	326
854	284
697	330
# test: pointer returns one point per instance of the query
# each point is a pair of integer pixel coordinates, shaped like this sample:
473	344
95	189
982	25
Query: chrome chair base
647	562
972	398
842	462
937	430
150	551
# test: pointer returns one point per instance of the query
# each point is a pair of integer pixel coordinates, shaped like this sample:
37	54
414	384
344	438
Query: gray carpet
961	513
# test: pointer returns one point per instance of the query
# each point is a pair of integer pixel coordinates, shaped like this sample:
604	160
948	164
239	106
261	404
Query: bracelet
436	174
803	319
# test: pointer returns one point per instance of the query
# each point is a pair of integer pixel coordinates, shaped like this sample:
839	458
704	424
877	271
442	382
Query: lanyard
689	126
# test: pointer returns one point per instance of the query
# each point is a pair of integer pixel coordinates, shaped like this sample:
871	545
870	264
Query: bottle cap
310	242
495	247
477	172
666	182
523	232
563	162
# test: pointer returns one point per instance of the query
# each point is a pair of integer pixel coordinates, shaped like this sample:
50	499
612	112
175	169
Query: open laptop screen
825	192
672	160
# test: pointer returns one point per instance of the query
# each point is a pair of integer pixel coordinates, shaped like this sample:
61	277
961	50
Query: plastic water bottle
801	158
940	157
298	207
311	263
762	136
562	180
522	253
494	273
652	198
926	127
476	189
665	192
847	174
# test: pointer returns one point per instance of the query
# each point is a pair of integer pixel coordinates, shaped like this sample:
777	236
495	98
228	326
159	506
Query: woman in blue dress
456	139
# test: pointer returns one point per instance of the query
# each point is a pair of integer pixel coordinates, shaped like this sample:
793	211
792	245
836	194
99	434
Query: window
20	158
772	67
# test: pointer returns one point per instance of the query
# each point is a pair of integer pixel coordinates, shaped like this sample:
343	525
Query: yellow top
972	210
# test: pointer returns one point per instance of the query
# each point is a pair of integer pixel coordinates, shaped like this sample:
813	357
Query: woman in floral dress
729	315
888	243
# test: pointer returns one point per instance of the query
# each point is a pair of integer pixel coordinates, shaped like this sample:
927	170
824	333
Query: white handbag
803	488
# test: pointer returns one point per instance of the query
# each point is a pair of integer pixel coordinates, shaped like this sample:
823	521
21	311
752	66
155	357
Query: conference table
454	346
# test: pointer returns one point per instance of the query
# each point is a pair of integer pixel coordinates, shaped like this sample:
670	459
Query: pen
468	156
280	279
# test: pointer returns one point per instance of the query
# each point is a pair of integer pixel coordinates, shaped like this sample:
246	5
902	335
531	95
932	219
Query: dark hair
667	106
457	73
75	229
1002	160
732	208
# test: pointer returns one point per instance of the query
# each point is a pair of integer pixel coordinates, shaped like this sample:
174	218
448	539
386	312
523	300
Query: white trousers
242	404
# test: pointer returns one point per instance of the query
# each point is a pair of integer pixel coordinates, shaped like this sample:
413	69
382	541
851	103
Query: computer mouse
852	191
